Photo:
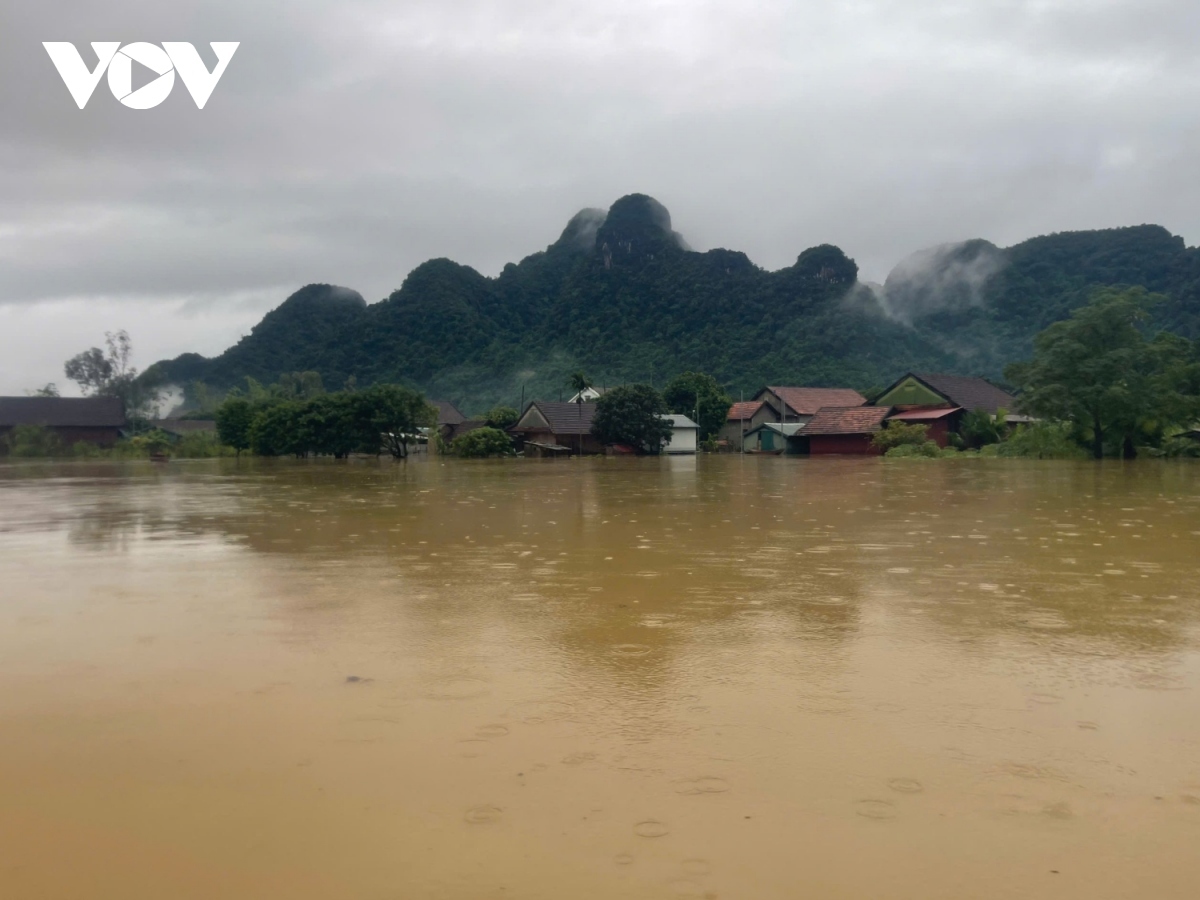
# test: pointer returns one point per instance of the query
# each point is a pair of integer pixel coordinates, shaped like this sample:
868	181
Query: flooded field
719	677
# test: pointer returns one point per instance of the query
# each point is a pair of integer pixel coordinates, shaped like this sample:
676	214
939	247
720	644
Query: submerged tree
632	414
701	397
234	418
110	373
1099	372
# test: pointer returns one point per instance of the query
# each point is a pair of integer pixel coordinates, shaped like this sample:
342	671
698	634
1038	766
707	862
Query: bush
1040	440
33	441
900	434
1178	446
481	443
926	450
502	417
200	445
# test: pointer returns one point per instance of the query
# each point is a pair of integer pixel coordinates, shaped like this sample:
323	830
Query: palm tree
579	383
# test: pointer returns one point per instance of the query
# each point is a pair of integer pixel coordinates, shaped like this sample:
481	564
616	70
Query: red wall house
940	421
845	430
849	444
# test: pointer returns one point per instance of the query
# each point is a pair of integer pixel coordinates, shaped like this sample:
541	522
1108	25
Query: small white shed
685	434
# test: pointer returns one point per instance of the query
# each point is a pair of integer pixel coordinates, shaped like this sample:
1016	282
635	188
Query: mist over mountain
621	296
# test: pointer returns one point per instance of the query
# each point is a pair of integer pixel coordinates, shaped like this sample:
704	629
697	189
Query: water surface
720	677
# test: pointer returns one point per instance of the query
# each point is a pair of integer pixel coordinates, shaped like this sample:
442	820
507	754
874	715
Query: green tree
482	442
394	415
979	428
579	383
1097	371
702	398
234	419
632	414
46	390
502	417
110	373
278	431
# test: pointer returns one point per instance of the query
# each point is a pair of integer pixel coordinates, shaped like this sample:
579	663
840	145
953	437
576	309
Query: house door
766	440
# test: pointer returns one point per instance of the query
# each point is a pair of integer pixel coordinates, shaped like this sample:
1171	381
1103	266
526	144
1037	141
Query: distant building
551	428
799	404
179	428
95	420
940	401
589	394
448	418
845	430
684	435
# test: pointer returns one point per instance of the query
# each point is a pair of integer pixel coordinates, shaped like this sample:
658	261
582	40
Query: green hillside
620	296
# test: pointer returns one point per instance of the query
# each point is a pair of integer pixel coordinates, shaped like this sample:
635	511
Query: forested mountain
620	296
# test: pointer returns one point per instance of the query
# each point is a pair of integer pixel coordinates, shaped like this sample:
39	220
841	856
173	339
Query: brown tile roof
564	418
846	420
970	392
805	401
448	413
744	410
63	412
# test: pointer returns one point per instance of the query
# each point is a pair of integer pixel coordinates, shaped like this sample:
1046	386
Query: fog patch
941	279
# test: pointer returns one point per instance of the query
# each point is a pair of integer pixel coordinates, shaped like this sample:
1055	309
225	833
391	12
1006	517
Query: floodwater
720	677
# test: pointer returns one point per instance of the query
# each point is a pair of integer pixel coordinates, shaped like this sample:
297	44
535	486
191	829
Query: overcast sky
349	140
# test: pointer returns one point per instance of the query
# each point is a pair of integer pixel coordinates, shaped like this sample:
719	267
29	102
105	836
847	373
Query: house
96	420
845	429
555	427
773	437
799	404
741	418
589	394
940	401
448	418
685	435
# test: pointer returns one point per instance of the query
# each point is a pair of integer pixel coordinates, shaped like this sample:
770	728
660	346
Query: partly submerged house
742	418
799	404
550	428
940	401
845	429
773	437
685	434
95	420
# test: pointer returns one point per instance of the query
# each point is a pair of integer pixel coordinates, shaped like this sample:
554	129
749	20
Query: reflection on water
712	677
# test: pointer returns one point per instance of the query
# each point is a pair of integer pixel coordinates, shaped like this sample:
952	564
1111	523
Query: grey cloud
350	141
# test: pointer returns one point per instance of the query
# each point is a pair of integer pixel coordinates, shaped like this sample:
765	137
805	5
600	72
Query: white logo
164	61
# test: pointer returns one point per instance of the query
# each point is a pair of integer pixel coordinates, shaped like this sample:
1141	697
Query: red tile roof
805	401
846	420
744	410
563	418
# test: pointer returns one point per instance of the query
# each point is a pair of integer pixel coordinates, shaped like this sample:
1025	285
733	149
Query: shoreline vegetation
1098	385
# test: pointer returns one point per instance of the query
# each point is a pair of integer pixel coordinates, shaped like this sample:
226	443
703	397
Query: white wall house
589	394
685	434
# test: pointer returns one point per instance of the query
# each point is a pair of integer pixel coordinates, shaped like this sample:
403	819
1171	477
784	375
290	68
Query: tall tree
110	373
234	418
632	414
1098	371
701	397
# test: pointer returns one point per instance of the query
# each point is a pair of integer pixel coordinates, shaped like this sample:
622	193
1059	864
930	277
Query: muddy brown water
716	677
